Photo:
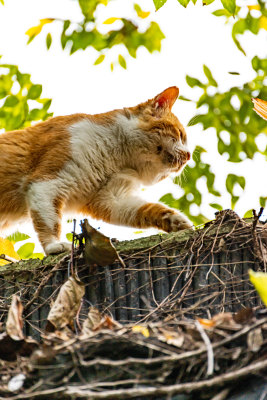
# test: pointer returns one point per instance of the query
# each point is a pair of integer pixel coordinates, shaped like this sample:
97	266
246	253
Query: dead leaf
93	320
67	303
98	247
171	337
221	320
107	323
206	323
14	322
255	340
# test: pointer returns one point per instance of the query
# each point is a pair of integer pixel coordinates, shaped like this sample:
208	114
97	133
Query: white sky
193	37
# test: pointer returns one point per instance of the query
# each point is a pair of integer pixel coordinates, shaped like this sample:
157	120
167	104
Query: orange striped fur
93	164
260	106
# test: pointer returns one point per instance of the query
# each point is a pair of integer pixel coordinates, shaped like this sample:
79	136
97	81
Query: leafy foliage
21	104
232	112
192	195
231	115
245	21
229	5
17	237
86	34
243	16
20	99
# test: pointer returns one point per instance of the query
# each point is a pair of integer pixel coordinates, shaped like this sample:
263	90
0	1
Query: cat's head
165	132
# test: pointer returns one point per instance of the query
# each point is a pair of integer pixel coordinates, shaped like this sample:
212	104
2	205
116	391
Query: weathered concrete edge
123	247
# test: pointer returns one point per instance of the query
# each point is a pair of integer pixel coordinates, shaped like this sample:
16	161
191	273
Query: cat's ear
166	99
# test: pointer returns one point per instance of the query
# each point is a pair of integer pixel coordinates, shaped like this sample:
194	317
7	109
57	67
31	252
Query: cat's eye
159	149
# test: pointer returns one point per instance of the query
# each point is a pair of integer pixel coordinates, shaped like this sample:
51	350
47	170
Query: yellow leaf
35	30
254	7
263	22
46	21
259	280
141	329
122	61
7	248
111	20
140	12
143	14
100	59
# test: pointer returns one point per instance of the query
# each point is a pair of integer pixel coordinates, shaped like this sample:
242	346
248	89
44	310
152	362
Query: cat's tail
260	106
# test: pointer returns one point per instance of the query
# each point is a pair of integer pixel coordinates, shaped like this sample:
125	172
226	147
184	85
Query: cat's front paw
176	222
57	247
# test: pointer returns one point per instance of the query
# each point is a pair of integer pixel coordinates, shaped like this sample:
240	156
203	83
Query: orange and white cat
93	164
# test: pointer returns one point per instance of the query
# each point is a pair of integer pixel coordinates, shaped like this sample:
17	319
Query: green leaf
192	82
88	7
232	179
48	41
207	2
26	250
184	3
100	59
17	237
229	5
183	98
233	73
248	214
34	92
208	74
221	13
40	256
159	3
216	206
263	201
11	101
69	236
23	79
196	120
142	14
122	61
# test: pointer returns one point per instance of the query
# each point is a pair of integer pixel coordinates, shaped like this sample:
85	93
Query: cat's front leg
161	217
117	204
45	210
129	212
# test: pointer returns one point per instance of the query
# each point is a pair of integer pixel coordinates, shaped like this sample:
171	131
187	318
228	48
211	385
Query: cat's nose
187	155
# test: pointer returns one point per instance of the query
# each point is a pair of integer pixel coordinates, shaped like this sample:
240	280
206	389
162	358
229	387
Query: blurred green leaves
237	129
229	5
245	19
192	195
89	33
25	251
231	112
159	3
20	99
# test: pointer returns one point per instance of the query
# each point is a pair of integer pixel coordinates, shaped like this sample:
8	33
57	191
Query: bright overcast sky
193	37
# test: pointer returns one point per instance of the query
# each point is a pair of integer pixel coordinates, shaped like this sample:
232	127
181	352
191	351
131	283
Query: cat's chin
178	168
